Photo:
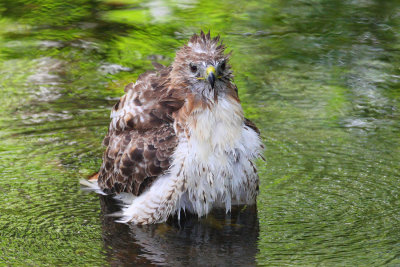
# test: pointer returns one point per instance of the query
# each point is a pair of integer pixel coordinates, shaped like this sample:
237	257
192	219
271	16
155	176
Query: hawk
178	139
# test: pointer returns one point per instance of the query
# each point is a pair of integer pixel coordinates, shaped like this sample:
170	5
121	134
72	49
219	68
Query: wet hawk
178	139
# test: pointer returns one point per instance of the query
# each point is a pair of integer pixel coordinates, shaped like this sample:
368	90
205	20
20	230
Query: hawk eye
223	65
193	67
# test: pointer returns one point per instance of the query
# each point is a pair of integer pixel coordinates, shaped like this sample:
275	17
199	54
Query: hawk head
202	66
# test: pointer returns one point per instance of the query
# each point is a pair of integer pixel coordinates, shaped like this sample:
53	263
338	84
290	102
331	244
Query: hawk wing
251	125
141	138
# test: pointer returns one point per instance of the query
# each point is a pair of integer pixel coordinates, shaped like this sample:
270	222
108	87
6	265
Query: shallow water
320	79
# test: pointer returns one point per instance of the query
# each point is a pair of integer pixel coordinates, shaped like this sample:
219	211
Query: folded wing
141	139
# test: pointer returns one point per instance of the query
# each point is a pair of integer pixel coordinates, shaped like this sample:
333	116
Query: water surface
320	78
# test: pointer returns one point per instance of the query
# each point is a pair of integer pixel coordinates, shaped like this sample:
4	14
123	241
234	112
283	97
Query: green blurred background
320	78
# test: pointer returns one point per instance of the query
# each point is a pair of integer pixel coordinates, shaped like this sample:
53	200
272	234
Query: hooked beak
211	75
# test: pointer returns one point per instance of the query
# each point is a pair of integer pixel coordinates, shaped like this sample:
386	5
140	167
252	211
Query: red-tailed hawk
178	139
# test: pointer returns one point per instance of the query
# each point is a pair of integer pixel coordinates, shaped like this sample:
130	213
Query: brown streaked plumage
141	138
133	159
177	134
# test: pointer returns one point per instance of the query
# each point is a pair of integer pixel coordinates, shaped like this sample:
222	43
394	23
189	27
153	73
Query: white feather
91	186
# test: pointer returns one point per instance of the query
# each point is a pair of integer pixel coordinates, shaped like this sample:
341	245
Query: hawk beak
211	75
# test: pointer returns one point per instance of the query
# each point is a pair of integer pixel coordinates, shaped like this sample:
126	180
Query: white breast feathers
218	166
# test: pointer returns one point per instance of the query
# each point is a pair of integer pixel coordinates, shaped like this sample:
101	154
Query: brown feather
141	138
251	125
144	157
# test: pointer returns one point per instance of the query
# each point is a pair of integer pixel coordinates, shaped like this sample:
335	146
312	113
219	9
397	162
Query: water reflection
321	80
220	239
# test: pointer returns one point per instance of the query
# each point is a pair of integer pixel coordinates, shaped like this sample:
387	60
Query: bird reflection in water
219	239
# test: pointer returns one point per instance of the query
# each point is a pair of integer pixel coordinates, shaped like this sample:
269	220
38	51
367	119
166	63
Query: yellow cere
210	69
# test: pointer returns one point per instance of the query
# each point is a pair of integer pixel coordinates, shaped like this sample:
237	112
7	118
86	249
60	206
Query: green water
320	78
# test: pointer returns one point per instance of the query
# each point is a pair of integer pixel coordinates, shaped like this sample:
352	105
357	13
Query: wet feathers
159	145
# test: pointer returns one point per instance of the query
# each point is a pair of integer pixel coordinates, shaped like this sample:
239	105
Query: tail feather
124	199
91	185
94	177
